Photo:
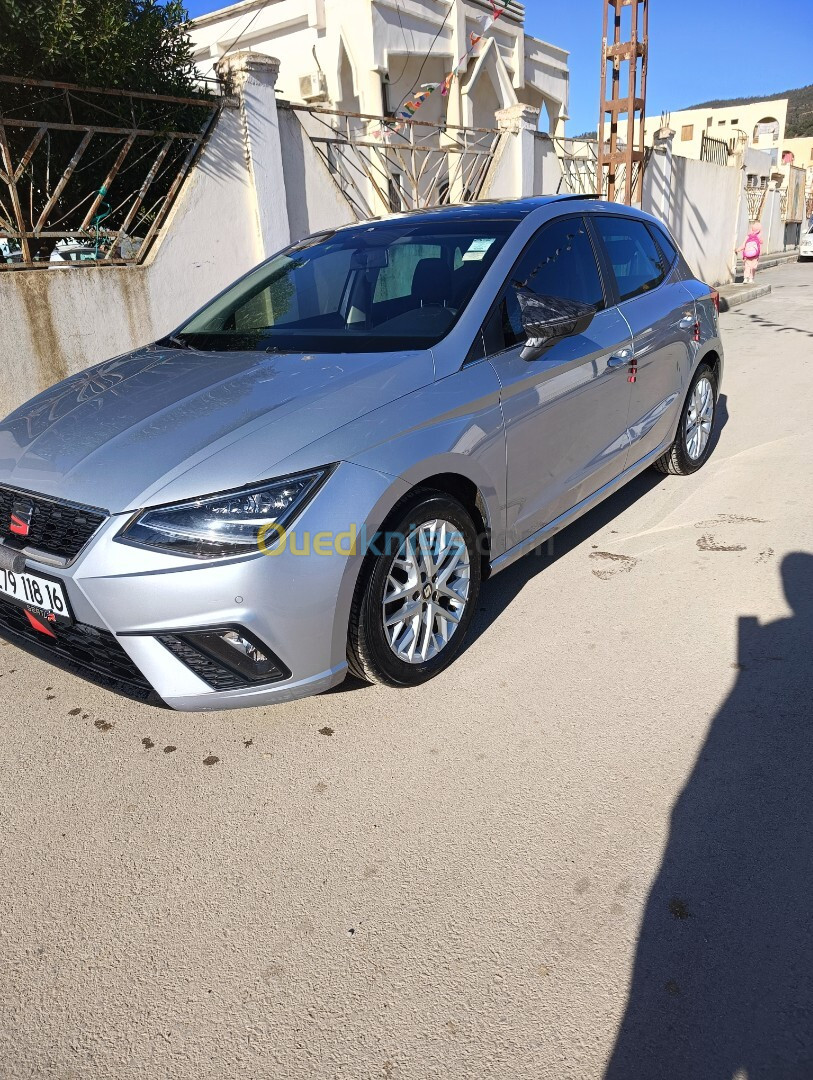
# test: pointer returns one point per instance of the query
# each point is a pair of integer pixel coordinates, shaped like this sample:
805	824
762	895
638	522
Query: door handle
620	359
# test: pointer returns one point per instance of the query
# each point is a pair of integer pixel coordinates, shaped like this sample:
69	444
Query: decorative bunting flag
411	106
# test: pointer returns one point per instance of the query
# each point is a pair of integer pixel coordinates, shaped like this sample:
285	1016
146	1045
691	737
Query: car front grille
83	650
58	528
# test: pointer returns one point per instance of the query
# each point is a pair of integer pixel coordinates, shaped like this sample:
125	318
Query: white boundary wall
56	321
701	203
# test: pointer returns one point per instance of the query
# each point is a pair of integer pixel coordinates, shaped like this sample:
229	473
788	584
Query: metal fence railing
87	176
756	200
580	169
381	164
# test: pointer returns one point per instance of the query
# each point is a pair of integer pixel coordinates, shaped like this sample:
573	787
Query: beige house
758	124
369	56
743	127
802	152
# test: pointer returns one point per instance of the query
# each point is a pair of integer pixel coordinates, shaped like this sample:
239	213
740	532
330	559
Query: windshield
369	288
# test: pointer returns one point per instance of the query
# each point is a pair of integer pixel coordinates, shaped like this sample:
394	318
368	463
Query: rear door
661	318
565	413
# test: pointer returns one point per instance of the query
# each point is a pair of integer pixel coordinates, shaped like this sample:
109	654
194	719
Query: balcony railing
714	150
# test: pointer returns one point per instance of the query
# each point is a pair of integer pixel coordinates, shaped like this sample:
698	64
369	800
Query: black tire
369	654
677	460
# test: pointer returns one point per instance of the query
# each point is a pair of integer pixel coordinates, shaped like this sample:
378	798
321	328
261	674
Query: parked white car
10	251
72	251
806	245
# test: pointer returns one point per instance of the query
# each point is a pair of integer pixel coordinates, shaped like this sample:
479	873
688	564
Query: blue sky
699	49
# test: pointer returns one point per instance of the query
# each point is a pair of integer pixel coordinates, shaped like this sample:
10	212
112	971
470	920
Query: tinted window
560	262
666	245
637	263
395	285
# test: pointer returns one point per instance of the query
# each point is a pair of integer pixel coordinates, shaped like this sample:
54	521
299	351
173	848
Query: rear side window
560	262
666	245
637	263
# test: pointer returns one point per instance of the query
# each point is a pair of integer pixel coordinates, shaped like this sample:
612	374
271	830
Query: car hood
159	424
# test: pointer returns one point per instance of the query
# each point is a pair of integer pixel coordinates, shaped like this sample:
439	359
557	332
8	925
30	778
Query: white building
369	56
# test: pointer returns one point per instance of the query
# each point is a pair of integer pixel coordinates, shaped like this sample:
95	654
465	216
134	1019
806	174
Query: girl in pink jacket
751	251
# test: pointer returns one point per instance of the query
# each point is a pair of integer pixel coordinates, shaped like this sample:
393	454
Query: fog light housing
244	646
226	657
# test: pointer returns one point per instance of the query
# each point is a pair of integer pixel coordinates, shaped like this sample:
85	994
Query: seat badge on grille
21	514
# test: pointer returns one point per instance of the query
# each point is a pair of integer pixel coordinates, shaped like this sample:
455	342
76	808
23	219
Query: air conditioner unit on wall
313	87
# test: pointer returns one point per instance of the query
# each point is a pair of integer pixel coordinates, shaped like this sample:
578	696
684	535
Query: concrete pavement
452	882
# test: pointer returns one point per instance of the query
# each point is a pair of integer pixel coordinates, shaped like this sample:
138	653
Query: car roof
487	209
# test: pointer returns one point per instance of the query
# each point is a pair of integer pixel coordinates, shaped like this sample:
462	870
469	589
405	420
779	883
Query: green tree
127	44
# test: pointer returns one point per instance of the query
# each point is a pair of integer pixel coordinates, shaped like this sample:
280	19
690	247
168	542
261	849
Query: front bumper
296	601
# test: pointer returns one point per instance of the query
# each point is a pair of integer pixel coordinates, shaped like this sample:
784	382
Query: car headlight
227	524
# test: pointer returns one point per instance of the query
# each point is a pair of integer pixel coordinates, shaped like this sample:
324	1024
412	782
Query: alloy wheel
699	418
426	591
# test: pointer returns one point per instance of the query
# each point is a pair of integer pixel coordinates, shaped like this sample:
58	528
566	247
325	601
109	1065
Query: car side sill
575	512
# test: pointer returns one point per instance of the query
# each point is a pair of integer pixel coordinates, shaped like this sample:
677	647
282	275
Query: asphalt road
588	842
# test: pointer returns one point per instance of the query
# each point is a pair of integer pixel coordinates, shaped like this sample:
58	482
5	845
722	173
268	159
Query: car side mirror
546	319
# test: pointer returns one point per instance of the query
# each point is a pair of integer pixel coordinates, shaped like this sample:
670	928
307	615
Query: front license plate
42	597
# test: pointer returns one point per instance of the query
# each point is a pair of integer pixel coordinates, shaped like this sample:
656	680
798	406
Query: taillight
715	299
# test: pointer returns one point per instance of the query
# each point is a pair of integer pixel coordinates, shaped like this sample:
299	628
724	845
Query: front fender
454	425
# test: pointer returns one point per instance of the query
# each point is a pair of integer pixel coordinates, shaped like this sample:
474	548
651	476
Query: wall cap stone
244	64
518	118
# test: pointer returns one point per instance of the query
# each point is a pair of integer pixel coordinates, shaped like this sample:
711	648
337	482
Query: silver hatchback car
315	472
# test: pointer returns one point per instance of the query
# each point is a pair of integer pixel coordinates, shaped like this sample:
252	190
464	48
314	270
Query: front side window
558	262
637	264
394	285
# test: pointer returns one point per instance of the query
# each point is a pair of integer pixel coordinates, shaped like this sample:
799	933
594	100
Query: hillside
800	109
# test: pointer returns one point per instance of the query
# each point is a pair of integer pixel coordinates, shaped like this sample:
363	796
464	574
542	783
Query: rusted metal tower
623	94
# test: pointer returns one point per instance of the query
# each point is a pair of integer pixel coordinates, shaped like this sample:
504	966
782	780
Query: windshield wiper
178	343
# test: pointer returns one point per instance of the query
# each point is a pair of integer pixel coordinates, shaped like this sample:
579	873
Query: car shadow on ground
722	984
499	592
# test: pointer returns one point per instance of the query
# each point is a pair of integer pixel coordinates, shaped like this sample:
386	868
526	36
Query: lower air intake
226	657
